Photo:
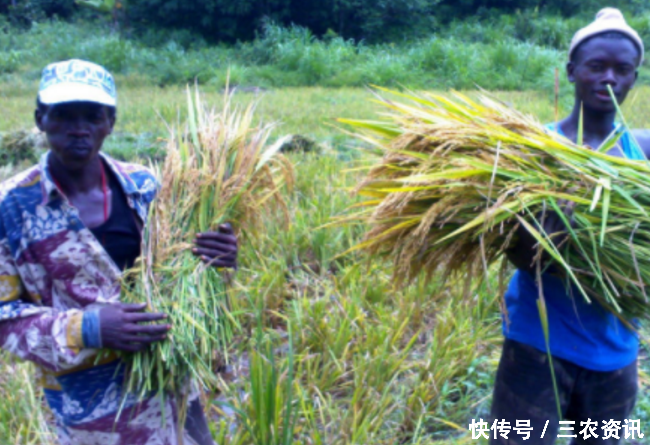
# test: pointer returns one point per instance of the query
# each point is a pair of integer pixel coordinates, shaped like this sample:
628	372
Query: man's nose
609	76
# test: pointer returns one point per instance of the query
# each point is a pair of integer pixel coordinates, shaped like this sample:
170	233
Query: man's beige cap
607	19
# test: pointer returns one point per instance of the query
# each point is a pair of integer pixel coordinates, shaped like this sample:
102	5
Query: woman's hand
218	249
121	328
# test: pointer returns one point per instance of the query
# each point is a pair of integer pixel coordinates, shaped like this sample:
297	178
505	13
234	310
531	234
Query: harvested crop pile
220	169
456	177
21	145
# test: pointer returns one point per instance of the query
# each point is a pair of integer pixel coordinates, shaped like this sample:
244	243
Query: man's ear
636	76
570	68
112	120
111	115
38	119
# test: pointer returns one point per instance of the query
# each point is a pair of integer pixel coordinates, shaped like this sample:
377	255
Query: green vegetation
224	170
368	20
370	363
23	416
327	348
509	54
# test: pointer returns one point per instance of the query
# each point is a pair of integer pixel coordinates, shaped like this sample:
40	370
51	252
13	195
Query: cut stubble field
338	355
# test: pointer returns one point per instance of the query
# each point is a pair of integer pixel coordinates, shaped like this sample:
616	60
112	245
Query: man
68	228
594	354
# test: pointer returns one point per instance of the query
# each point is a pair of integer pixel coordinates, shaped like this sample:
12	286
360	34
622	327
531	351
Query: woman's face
75	131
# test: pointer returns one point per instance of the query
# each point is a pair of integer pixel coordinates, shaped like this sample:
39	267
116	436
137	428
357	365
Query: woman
68	228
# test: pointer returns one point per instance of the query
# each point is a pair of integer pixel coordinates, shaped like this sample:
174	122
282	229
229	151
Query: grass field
355	361
309	111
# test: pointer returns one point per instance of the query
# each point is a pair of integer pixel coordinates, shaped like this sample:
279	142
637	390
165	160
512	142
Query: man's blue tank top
582	333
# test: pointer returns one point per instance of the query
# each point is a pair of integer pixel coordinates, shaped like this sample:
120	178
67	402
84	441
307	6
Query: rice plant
339	309
457	177
218	169
270	413
22	418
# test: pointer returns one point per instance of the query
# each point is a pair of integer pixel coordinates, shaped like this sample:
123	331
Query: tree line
368	20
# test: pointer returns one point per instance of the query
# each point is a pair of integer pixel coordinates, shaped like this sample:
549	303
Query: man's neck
78	180
595	125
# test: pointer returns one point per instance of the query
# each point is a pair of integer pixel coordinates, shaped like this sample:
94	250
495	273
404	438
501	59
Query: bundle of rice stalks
21	145
220	169
457	177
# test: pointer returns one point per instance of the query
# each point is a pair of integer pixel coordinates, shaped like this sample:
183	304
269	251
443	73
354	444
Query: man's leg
523	391
602	397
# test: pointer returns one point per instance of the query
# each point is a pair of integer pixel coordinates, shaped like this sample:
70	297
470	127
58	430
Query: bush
114	53
641	23
173	65
10	61
293	56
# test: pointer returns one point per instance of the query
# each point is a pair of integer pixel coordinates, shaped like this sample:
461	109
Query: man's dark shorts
524	391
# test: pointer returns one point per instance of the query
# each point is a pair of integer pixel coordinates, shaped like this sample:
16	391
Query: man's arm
51	338
63	339
522	251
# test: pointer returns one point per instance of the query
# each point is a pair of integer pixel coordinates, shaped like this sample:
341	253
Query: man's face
601	62
75	131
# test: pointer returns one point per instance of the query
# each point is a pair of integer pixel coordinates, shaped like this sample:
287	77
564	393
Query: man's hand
121	329
219	249
553	224
523	253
